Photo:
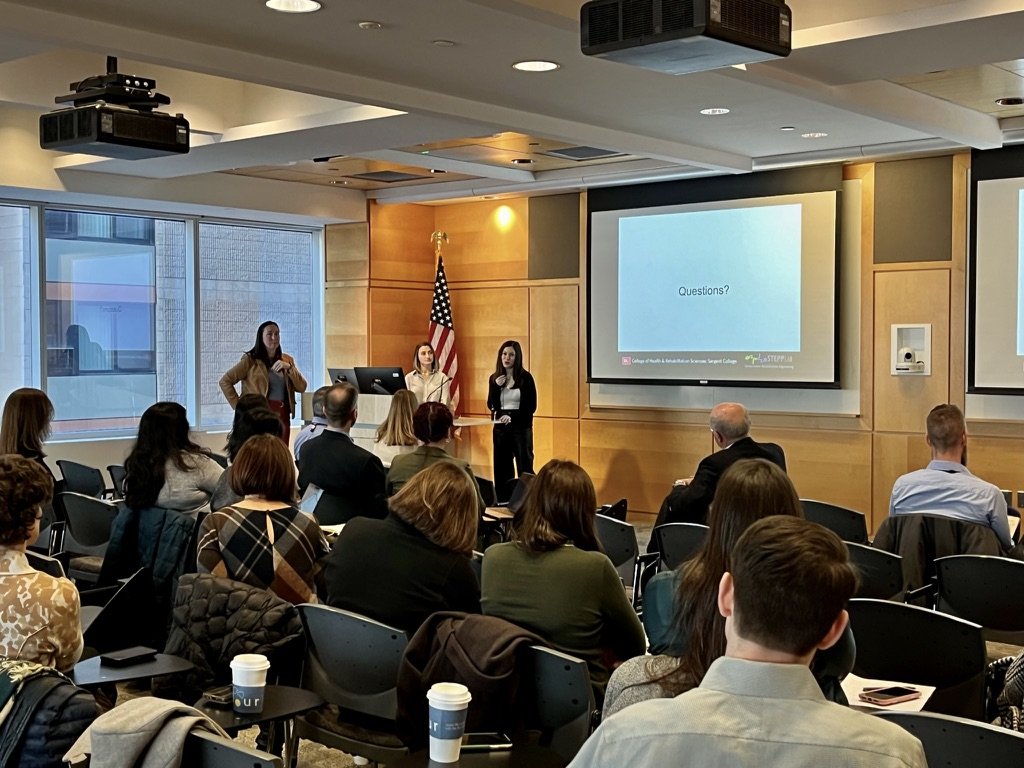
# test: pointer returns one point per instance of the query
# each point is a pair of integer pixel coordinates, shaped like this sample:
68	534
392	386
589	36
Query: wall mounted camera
911	350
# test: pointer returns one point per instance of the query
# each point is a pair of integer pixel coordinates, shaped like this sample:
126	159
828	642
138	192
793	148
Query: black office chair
208	750
486	490
556	699
352	663
881	573
87	534
618	510
986	590
847	523
903	642
51	566
678	542
955	741
80	478
117	475
122	615
618	539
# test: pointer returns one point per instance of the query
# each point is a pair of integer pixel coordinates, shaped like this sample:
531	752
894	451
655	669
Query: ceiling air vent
582	153
386	177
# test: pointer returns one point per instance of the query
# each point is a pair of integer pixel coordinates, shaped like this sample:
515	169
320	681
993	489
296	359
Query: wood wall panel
894	455
345	321
639	460
555	439
489	240
398	322
554	351
911	296
484	318
346	250
998	460
400	246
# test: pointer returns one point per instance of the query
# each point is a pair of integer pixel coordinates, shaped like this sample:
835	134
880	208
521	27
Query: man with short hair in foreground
759	705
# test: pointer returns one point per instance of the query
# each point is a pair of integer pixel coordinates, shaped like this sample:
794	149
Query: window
249	275
17	299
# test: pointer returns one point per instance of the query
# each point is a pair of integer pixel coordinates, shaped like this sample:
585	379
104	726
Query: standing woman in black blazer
511	399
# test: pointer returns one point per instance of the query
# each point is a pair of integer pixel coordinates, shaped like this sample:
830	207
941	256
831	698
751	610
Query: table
520	756
91	672
280	702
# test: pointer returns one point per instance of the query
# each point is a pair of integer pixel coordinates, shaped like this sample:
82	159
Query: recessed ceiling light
715	111
535	66
788	128
293	6
370	25
489	197
522	160
437	170
1010	101
443	43
814	135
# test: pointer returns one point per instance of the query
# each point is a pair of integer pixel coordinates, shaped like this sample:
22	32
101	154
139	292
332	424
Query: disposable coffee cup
248	682
447	704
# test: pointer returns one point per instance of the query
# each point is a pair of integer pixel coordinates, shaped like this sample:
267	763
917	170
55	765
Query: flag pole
439	239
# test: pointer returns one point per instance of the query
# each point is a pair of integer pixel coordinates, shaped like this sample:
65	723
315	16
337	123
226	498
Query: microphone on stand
447	380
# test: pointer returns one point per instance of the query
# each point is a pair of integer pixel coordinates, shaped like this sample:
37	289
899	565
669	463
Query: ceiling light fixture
370	25
522	160
788	128
1010	101
813	135
443	43
710	111
293	6
437	170
535	66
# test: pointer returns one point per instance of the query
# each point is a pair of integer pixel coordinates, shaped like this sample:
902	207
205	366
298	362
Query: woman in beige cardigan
266	370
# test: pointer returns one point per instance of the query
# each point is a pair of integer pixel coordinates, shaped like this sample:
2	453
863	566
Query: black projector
681	36
113	131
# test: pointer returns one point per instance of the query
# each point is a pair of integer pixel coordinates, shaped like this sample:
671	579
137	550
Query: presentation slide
734	291
996	340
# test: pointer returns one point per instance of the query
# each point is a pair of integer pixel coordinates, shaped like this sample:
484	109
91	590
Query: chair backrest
678	542
956	741
80	478
127	619
352	660
117	475
208	750
620	544
486	490
88	523
618	510
848	524
518	495
881	572
557	699
986	590
916	645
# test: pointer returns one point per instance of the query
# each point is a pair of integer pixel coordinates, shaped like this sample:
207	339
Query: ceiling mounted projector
113	115
682	36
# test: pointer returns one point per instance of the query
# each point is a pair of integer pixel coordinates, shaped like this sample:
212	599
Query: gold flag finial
439	239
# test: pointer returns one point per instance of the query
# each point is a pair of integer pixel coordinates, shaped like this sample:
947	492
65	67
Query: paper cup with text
447	704
248	682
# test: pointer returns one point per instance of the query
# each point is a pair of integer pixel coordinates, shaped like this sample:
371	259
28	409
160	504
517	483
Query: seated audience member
26	425
553	578
315	427
946	487
165	468
758	704
690	498
415	562
247	423
39	614
432	424
352	478
264	540
396	436
681	606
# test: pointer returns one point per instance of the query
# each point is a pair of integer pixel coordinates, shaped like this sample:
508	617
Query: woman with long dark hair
749	490
28	414
425	380
266	370
512	400
165	467
553	578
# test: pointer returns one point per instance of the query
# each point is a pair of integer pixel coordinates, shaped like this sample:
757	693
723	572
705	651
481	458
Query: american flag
441	333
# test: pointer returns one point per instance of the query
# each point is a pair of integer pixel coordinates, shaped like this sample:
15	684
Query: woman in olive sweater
553	579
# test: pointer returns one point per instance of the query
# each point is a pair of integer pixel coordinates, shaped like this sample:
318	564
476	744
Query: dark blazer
352	478
389	571
522	417
689	504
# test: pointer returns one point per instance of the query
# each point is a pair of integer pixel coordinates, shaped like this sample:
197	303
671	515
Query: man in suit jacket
689	499
351	477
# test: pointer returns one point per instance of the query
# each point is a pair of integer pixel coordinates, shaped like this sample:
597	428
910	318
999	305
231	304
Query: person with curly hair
39	614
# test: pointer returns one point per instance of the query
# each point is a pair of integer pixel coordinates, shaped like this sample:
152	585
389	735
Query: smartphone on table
894	694
485	742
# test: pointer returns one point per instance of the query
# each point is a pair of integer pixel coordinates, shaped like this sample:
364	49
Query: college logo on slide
761	358
627	360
